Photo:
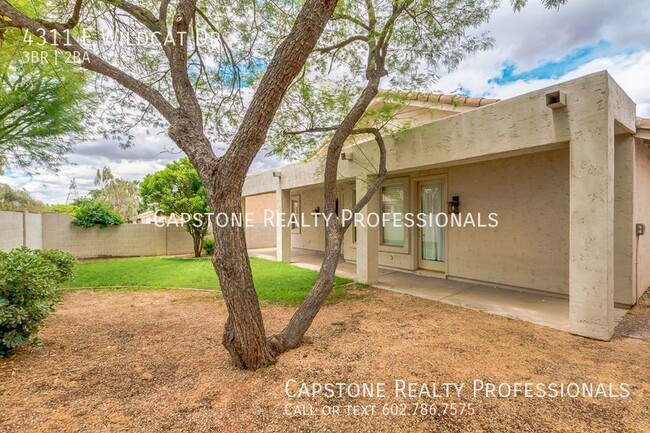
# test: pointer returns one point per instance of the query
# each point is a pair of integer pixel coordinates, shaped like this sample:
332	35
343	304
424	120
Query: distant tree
118	194
18	200
61	208
177	189
91	213
41	107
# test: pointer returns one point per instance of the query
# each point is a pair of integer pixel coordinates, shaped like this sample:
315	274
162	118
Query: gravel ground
152	362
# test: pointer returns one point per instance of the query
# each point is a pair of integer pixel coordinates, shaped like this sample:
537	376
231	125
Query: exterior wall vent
555	100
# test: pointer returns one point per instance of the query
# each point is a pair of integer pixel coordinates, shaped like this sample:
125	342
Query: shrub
28	292
64	263
93	213
208	245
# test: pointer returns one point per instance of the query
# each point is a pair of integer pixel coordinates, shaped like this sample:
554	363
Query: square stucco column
591	225
367	238
282	229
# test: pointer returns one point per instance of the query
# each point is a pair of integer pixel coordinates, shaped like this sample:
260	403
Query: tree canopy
42	105
177	190
18	200
121	195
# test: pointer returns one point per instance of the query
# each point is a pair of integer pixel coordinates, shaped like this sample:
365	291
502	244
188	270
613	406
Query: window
294	222
392	209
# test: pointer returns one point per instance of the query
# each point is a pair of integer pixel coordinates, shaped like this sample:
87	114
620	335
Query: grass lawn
274	282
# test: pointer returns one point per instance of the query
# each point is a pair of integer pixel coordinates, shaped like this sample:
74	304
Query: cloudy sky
534	48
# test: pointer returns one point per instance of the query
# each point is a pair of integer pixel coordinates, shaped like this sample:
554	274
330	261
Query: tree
61	208
177	190
189	92
118	194
42	108
18	200
91	213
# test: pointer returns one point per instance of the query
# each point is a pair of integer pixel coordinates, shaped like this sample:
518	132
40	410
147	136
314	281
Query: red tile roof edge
459	100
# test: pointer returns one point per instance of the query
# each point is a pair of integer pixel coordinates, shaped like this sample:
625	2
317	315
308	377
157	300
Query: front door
432	237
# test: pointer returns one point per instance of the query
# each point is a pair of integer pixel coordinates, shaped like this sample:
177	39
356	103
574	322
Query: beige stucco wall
11	230
642	215
528	249
310	237
260	235
624	239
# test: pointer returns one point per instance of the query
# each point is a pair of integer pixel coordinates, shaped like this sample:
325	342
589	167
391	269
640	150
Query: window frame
405	184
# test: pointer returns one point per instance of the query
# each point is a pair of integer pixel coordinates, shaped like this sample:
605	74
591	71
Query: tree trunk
244	336
302	319
197	241
293	333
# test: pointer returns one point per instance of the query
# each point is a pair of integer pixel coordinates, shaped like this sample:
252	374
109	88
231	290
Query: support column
591	224
282	229
367	237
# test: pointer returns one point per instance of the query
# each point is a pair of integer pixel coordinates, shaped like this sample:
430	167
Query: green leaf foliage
18	200
61	208
92	213
208	245
28	292
43	104
177	189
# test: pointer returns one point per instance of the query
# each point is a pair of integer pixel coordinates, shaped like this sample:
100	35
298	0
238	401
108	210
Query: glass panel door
432	237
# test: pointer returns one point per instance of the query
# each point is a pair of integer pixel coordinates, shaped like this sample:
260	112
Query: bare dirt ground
152	362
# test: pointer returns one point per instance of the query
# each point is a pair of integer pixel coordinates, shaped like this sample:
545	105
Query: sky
534	48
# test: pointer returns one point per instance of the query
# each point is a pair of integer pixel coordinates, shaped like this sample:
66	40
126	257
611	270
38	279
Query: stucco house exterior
566	169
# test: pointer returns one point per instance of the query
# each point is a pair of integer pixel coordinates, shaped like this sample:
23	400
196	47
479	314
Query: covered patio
542	309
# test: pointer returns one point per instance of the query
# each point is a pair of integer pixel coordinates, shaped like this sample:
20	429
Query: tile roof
644	123
458	100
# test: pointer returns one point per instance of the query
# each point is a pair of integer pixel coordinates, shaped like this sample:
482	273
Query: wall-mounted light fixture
277	174
555	100
453	206
347	156
316	211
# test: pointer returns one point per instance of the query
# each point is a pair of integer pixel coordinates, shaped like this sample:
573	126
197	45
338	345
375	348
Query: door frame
428	265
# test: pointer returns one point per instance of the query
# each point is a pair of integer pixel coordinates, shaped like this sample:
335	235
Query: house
149	217
565	171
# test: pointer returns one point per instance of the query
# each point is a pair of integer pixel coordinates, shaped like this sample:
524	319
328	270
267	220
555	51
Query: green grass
274	282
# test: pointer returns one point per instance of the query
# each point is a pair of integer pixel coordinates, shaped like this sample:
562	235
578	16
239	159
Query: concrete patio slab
538	308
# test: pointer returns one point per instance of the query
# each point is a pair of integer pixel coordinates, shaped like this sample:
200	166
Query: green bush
28	292
208	245
93	213
63	262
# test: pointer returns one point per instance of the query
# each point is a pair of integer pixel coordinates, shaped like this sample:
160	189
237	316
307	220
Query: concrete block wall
11	230
53	230
33	230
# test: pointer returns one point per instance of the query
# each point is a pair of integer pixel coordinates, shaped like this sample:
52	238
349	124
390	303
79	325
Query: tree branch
341	44
286	64
146	18
381	174
352	19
